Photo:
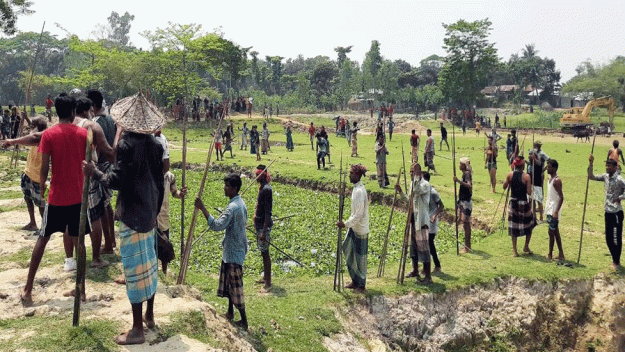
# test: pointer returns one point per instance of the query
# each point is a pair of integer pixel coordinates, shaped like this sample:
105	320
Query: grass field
301	309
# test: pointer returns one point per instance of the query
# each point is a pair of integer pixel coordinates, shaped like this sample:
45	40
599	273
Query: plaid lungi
429	159
32	191
138	252
355	248
520	218
231	284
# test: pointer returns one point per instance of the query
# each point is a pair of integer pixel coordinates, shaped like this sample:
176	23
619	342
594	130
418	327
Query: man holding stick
138	176
263	222
420	190
356	244
521	220
233	220
614	193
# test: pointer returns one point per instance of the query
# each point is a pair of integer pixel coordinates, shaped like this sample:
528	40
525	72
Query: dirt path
105	300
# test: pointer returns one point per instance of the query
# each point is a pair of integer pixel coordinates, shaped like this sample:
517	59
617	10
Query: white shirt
421	202
359	218
553	198
163	141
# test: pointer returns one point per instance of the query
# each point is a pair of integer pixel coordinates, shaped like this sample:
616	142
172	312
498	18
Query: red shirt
311	130
49	103
65	143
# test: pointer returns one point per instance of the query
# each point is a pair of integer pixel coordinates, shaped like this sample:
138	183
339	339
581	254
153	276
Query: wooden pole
184	181
453	160
256	178
388	230
184	260
581	233
407	234
403	156
338	269
80	249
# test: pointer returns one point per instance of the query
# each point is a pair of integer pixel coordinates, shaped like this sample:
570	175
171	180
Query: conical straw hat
137	114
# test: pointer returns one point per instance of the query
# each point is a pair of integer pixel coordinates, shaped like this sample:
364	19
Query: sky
569	32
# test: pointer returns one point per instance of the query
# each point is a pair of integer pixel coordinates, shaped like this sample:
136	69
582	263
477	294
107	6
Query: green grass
55	333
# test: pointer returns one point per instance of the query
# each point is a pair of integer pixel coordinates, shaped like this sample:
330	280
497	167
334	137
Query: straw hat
137	114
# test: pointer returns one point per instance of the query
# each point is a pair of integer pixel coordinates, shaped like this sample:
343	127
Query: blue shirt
233	220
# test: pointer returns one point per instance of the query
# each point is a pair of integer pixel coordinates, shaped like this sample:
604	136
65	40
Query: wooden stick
388	230
184	180
256	178
407	233
80	248
453	157
404	162
581	234
338	269
184	260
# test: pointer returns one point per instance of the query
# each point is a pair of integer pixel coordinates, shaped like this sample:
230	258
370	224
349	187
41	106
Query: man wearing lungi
430	149
414	143
244	132
520	216
356	244
263	222
233	220
420	191
354	139
465	200
614	185
380	161
138	176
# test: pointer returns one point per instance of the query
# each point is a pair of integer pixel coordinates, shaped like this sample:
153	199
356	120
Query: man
614	186
311	132
356	244
110	130
254	140
615	153
429	151
264	139
391	126
227	138
443	137
31	178
494	135
520	216
414	143
49	104
263	222
138	176
553	205
244	132
233	220
64	146
322	151
162	140
354	139
436	208
380	162
537	160
512	147
491	153
163	215
465	202
420	191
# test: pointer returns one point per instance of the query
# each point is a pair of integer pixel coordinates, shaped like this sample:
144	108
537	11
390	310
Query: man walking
614	186
263	222
429	151
233	220
443	137
356	244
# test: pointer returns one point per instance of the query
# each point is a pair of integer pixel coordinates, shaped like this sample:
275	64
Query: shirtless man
615	153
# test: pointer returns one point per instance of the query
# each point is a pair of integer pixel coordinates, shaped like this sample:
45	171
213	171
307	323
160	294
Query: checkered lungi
231	284
32	191
520	218
138	252
429	159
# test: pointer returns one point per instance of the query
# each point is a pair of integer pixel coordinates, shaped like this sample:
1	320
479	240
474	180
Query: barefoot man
520	215
263	222
233	220
138	177
356	244
553	206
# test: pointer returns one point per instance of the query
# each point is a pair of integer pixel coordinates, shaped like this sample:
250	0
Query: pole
453	157
338	269
184	260
407	234
403	157
388	230
581	233
184	178
256	178
80	249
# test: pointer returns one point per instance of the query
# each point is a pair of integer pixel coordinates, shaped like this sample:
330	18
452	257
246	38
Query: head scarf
263	174
465	160
518	162
359	169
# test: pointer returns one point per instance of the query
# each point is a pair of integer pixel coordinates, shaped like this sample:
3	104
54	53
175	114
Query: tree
342	54
120	27
9	10
470	57
529	69
601	80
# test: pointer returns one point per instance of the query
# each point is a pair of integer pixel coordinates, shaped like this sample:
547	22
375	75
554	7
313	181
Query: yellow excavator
579	117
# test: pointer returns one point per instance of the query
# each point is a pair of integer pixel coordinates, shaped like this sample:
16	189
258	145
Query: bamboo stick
388	230
581	233
453	156
80	248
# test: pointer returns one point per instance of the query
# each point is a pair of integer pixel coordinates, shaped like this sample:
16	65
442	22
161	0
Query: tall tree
120	27
9	10
470	57
342	52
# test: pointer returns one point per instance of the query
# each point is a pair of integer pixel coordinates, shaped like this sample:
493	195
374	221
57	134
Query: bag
165	250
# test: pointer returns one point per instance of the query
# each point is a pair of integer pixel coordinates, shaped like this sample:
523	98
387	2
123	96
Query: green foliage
601	80
470	57
9	10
